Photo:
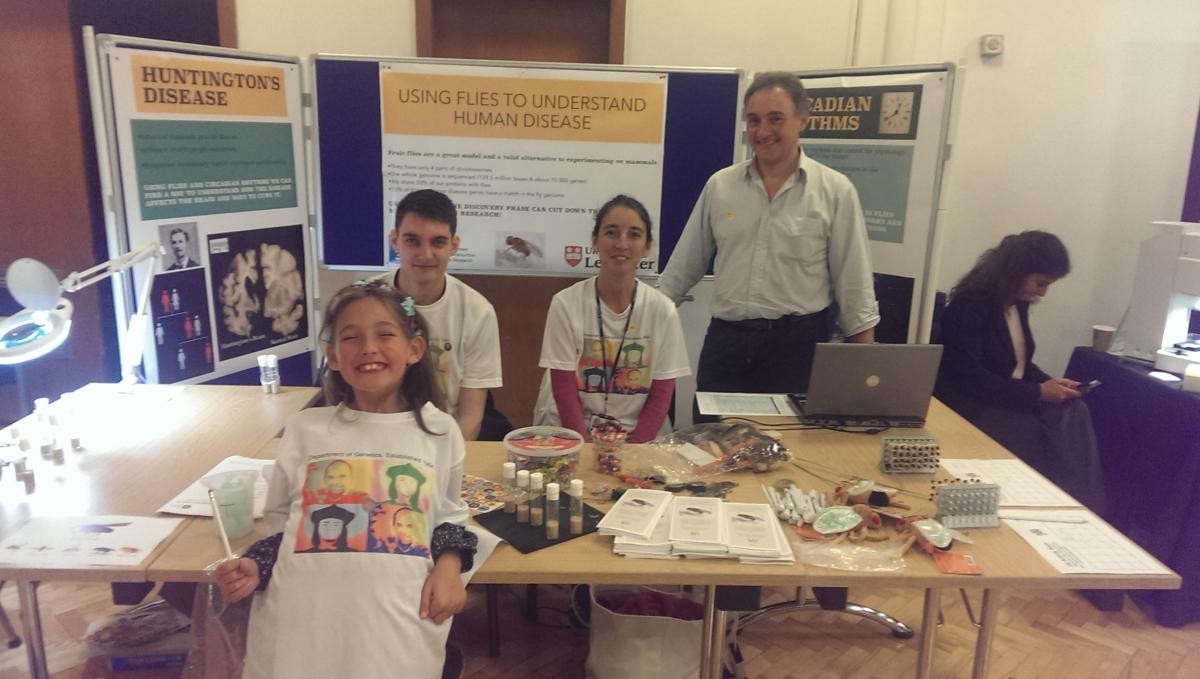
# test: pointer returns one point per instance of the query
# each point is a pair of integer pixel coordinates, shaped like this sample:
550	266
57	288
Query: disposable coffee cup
1102	336
235	499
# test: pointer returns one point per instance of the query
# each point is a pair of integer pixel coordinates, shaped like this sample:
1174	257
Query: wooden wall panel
522	303
525	30
44	210
50	206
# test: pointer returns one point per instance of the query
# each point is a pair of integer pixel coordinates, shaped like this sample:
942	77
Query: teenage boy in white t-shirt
464	336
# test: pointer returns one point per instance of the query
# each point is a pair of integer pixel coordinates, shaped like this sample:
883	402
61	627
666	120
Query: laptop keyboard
853	420
870	422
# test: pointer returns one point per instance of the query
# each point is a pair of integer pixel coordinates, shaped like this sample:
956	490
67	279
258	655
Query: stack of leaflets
657	546
696	527
755	534
636	514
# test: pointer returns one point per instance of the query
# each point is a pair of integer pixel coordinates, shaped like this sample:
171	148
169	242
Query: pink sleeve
566	399
654	411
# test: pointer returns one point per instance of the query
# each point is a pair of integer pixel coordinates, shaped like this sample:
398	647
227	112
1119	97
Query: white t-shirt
464	339
653	349
357	496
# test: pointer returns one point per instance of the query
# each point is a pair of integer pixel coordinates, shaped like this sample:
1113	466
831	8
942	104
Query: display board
886	129
527	152
1191	197
205	147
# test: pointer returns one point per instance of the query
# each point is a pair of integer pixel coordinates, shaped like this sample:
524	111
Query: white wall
1083	127
756	35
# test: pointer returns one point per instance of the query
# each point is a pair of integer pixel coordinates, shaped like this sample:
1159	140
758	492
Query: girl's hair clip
410	310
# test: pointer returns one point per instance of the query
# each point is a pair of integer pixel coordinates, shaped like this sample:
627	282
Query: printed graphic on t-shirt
397	529
356	503
333	528
441	350
631	374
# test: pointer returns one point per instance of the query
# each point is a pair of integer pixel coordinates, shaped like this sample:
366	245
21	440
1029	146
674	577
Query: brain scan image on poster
258	289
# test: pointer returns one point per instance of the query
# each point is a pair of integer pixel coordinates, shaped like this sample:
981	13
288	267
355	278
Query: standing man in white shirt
464	336
790	240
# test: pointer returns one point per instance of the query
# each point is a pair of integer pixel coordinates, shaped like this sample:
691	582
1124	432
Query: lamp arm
137	328
77	280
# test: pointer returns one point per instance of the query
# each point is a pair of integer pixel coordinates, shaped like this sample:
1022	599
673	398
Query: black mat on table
527	538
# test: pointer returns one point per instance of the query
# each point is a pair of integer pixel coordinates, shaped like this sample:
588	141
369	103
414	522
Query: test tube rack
910	455
968	505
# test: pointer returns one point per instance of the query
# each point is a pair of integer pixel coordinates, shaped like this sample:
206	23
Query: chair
827	599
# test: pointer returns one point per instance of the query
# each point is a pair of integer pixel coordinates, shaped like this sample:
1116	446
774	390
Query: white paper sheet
1075	541
1020	485
193	501
56	541
733	404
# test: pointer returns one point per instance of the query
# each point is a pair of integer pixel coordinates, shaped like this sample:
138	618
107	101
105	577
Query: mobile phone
1087	386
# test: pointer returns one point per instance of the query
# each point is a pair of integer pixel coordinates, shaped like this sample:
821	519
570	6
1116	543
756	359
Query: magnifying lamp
45	321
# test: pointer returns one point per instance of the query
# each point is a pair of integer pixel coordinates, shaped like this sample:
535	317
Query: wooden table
142	445
1007	560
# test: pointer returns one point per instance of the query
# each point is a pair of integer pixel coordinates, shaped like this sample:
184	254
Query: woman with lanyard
613	347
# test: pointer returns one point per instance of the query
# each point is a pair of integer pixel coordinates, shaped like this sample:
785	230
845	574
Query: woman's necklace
609	375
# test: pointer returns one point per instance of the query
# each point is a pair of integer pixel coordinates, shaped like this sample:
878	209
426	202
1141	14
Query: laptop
875	385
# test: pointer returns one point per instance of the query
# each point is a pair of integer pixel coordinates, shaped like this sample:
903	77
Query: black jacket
978	359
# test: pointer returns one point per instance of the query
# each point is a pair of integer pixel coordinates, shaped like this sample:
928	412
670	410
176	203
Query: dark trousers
759	356
494	425
1056	439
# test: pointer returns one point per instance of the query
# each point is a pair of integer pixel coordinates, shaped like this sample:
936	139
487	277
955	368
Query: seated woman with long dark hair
988	375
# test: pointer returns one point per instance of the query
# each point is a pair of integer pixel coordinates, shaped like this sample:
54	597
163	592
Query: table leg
31	624
716	651
983	641
706	635
929	616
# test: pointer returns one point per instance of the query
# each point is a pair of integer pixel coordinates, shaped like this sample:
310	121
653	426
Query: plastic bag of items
140	625
720	447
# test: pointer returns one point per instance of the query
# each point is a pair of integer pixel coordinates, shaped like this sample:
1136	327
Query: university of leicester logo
573	254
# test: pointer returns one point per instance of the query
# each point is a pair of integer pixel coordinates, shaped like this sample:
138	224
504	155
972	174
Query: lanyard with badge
609	374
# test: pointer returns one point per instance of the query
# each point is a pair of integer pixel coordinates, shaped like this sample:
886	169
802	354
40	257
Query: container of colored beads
553	451
608	438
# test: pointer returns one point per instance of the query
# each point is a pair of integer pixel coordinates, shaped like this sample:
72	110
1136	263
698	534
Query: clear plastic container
608	438
553	451
235	498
